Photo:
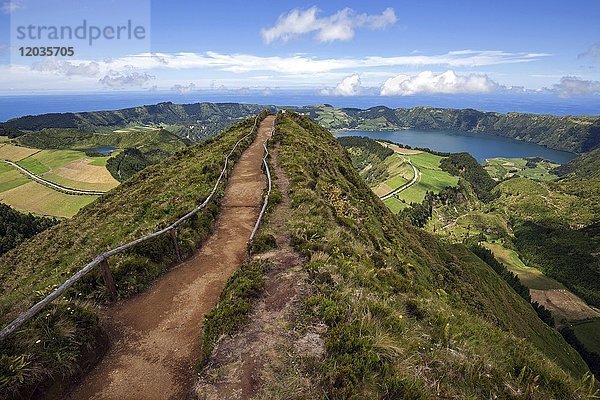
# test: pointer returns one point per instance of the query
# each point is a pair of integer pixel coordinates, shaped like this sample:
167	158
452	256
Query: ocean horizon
18	105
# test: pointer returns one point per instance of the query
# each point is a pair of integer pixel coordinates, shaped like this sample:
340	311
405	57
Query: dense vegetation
56	342
200	120
370	146
585	166
563	254
592	359
138	137
408	316
368	156
127	163
418	214
16	227
464	165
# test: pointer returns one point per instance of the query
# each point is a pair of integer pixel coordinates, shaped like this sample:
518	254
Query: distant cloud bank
570	86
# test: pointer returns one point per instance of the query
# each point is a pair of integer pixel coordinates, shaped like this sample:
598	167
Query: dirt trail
267	357
155	337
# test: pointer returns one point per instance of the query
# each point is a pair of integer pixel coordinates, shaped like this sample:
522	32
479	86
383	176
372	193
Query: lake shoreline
480	145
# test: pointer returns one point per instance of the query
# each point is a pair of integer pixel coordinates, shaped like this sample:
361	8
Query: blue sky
333	48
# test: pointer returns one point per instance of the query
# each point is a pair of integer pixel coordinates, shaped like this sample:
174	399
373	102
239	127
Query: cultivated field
69	168
15	153
533	278
39	199
502	168
564	305
10	177
398	149
432	178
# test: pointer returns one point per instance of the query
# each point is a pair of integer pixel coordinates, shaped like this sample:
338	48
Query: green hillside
192	121
585	166
56	342
408	316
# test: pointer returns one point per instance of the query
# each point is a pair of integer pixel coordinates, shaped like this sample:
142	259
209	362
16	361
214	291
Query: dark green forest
15	227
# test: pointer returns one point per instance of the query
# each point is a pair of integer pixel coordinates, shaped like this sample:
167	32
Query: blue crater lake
479	145
104	150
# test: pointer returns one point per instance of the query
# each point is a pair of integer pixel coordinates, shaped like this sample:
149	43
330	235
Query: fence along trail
102	259
155	336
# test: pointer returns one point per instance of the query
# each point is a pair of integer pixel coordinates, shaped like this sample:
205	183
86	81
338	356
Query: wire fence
269	184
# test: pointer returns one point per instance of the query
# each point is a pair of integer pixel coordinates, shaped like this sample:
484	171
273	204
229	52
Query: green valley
542	227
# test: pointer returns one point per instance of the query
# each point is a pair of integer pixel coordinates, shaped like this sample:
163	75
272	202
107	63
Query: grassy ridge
407	316
54	342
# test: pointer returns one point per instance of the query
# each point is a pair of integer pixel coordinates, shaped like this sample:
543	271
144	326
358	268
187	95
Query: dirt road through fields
155	337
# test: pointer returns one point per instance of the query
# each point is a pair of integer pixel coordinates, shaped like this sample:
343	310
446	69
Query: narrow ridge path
155	336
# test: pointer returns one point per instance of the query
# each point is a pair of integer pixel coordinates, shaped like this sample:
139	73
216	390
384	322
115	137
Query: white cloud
339	26
349	86
300	64
428	82
181	89
593	52
235	70
116	79
8	7
67	68
570	86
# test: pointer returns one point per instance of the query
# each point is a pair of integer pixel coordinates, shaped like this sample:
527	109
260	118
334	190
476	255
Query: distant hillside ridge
197	119
577	134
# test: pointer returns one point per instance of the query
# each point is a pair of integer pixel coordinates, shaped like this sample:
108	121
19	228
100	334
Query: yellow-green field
564	304
433	179
4	139
15	153
10	177
39	199
400	172
533	278
72	169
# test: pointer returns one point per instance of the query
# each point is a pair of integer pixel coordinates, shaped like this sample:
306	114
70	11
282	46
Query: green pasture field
533	278
10	177
500	168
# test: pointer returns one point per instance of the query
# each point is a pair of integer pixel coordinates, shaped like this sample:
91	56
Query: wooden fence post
108	280
173	234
